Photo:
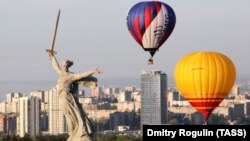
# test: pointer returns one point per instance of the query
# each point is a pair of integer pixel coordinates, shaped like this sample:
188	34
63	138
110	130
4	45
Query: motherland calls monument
79	126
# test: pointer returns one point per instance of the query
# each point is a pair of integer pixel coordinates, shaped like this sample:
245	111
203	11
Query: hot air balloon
151	23
205	79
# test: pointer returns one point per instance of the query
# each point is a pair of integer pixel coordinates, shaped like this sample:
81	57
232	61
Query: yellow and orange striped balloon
205	79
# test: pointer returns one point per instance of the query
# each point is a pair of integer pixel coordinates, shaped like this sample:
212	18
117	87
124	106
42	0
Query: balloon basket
150	61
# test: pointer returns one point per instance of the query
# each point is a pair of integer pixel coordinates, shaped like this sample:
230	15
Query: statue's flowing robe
79	125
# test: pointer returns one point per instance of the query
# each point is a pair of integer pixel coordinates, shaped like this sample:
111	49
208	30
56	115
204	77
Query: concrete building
3	107
43	96
7	123
130	88
44	122
45	103
29	110
136	96
97	92
110	90
12	97
175	99
99	114
248	109
2	123
88	100
129	106
12	100
237	111
104	106
221	111
11	123
153	97
38	93
235	90
57	122
115	90
124	96
121	118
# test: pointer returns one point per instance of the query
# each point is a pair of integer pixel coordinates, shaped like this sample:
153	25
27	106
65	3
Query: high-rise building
2	123
153	97
11	123
57	123
12	102
41	94
110	90
38	93
10	97
45	104
29	110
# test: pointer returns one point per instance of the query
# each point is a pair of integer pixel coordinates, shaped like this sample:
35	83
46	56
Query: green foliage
117	138
63	137
26	138
10	137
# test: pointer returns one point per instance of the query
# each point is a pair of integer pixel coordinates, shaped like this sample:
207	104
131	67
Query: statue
79	126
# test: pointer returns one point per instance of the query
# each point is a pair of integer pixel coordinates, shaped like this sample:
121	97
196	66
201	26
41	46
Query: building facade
153	97
29	116
57	123
2	123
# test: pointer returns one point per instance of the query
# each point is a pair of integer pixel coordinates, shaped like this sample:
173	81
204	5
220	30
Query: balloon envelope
205	79
151	23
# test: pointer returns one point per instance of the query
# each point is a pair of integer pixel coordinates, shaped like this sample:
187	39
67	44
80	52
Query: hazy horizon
25	87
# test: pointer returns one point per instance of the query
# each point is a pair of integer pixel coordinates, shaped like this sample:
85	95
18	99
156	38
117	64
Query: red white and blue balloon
151	23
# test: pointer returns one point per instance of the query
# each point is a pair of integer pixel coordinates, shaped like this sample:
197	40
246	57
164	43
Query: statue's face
66	64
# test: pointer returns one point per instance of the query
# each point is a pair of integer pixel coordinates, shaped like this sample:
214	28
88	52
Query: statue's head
66	64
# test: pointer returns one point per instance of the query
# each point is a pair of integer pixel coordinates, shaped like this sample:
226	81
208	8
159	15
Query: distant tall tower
57	123
153	97
29	111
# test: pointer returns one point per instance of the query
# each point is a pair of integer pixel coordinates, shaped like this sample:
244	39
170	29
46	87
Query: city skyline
119	110
97	31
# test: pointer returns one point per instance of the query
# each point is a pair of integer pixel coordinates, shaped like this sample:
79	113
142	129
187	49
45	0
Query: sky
94	34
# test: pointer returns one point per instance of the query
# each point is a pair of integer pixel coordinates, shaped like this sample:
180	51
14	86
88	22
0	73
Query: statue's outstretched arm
54	62
79	76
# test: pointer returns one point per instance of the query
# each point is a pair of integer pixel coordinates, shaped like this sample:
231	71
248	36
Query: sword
54	36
